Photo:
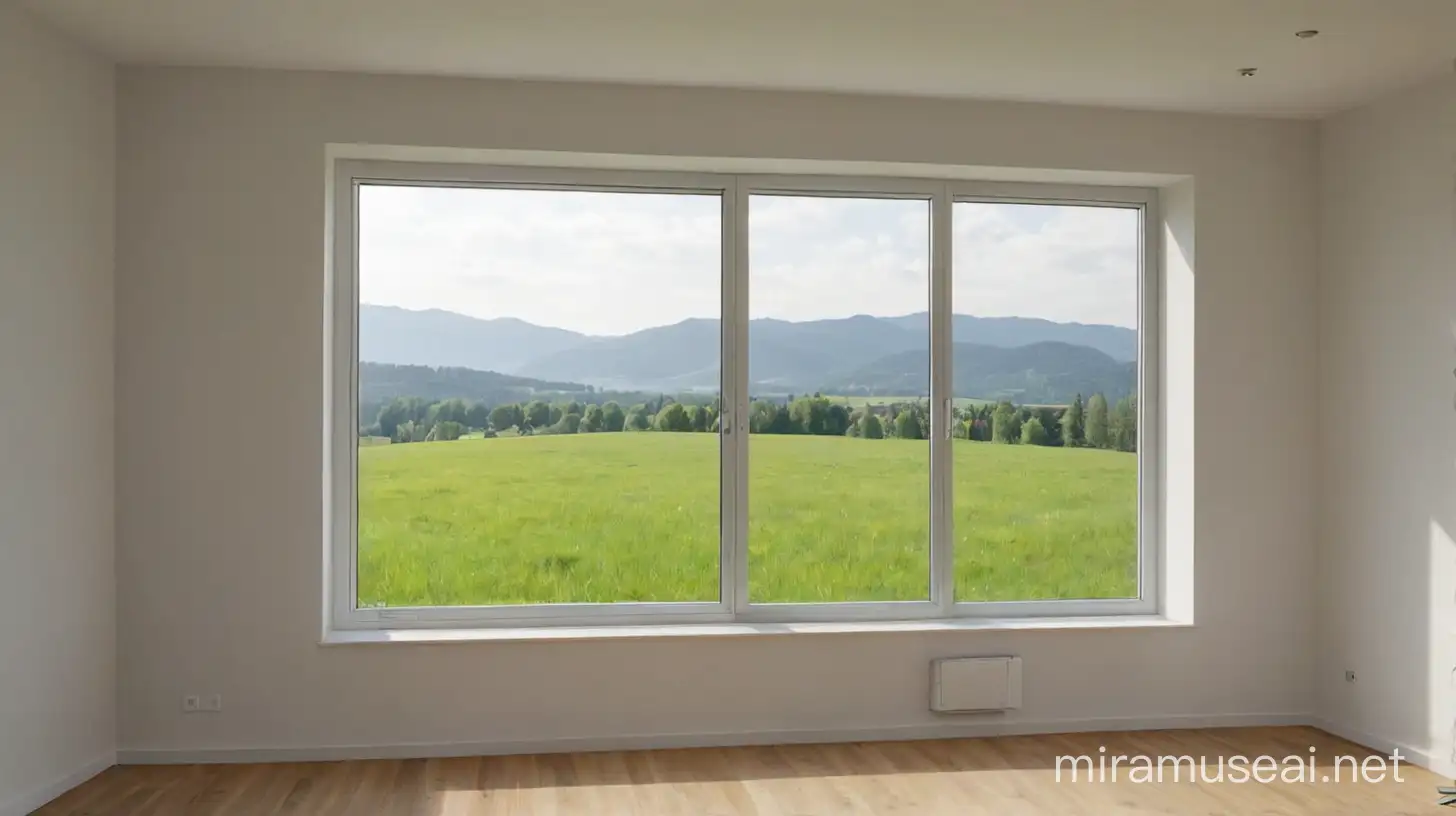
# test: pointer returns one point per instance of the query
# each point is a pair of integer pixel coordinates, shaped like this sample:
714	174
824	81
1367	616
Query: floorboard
1005	776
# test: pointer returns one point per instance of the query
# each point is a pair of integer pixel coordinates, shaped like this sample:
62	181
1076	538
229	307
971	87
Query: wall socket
193	703
1349	676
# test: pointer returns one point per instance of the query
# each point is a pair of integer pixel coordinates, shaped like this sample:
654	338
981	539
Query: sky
614	263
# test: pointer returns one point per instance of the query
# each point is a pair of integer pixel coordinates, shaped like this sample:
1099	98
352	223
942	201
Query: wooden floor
992	777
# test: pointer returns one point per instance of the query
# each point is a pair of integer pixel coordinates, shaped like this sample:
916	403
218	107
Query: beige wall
1387	334
57	591
220	300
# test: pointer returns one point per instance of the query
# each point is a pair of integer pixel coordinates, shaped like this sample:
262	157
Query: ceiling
1158	54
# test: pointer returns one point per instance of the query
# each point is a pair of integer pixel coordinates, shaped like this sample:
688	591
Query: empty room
727	407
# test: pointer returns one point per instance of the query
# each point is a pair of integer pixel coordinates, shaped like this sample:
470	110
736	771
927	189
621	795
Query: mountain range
1024	359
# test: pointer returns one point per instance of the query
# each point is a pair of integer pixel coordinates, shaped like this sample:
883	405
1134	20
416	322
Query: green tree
1074	429
674	417
478	416
537	414
592	421
761	415
836	420
698	418
1099	433
1051	422
1124	425
568	424
613	417
1005	424
410	431
637	419
770	418
399	411
907	426
506	416
1034	433
450	410
808	415
447	431
870	426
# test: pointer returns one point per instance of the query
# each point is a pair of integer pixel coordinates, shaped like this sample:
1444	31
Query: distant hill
434	337
381	382
685	355
1037	374
677	357
1007	332
784	356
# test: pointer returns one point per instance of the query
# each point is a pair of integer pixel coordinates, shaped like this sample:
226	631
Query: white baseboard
977	727
35	799
1441	765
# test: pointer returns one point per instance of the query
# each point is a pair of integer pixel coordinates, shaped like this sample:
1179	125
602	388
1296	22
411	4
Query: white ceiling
1162	54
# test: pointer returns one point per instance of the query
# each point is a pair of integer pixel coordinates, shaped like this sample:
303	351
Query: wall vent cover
975	684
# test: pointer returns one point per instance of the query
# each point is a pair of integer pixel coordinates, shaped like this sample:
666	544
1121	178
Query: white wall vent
975	684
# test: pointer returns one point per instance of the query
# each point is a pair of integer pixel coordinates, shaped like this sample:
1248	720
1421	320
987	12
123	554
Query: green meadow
635	517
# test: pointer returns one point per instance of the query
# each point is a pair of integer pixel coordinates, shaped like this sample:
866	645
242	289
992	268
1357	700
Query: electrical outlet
212	702
1349	676
191	703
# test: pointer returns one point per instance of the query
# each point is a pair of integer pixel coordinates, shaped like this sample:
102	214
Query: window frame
341	358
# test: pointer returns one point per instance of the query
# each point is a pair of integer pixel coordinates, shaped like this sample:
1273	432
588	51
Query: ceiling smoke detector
1307	34
1248	72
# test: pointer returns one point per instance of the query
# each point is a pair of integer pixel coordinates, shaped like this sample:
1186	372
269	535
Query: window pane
1045	379
839	371
538	391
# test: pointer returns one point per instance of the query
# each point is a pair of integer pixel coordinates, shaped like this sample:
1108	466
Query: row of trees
1091	424
412	419
1080	425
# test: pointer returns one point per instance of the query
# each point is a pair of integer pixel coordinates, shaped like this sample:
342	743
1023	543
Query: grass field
634	517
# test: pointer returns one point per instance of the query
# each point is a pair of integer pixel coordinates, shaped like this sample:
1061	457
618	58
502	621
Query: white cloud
812	258
611	263
1064	263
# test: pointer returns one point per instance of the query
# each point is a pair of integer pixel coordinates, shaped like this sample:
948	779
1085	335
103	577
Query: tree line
1092	424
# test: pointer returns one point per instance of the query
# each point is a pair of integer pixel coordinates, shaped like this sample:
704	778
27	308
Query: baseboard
978	727
1441	765
37	798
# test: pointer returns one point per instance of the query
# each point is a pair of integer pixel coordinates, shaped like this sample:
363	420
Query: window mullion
735	449
942	576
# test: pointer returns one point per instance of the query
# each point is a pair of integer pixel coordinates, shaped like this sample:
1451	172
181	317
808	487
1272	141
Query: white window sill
348	637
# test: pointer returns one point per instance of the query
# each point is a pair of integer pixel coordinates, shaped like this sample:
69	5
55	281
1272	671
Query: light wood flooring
1003	776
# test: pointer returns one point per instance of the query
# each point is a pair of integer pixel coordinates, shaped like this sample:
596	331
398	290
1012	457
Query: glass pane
538	392
839	371
1045	379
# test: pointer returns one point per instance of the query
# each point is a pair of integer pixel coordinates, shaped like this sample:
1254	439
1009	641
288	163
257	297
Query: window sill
356	637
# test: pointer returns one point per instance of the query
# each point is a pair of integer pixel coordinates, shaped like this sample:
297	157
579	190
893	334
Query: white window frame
733	606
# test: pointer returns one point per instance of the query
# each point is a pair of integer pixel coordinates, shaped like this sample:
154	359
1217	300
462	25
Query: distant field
857	402
634	516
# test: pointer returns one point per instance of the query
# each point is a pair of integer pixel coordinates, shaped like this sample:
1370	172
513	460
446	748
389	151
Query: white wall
1387	309
220	298
57	590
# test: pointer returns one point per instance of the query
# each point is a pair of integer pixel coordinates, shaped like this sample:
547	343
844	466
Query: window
836	284
597	397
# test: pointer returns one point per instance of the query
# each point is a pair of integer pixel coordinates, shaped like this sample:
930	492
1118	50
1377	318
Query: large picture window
598	397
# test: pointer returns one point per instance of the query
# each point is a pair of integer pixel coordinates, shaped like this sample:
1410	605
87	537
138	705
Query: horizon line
751	320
